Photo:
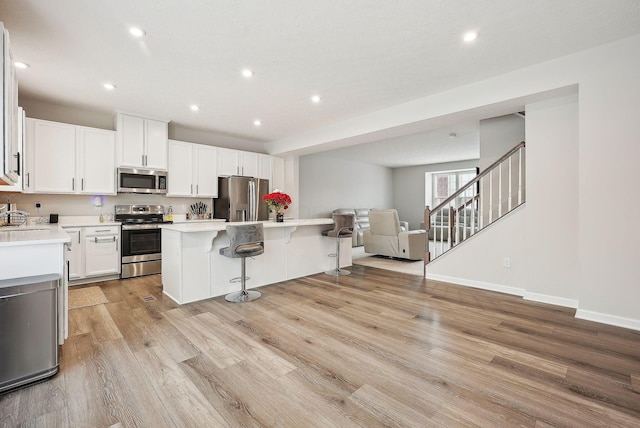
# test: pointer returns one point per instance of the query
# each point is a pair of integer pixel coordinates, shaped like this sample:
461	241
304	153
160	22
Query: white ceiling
360	56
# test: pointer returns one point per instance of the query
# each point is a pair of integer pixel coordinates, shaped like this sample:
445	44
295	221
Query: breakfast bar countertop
218	225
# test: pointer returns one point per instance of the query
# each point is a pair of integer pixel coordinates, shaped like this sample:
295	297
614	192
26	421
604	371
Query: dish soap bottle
170	214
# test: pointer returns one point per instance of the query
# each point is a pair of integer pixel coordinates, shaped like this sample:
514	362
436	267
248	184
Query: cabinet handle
103	240
28	179
68	272
197	189
17	156
73	184
82	184
192	189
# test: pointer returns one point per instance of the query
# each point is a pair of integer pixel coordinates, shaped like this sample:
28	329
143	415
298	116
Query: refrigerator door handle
252	201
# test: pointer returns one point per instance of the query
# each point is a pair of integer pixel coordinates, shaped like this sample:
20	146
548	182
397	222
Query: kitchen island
39	250
193	268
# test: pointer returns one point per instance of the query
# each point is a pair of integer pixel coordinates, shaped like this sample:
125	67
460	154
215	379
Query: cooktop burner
140	214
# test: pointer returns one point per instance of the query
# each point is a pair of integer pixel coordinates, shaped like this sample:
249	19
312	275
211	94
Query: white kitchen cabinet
75	253
238	162
265	167
192	170
277	174
95	253
96	161
17	186
142	142
63	158
9	115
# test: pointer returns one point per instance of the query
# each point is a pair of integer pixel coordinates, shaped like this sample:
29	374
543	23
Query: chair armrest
404	226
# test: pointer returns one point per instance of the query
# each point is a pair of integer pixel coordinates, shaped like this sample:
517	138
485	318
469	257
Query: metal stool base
338	272
242	296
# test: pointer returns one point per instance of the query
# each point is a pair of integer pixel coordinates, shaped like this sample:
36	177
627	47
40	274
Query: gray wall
327	183
409	188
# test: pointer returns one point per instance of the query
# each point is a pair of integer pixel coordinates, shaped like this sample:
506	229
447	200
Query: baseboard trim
478	284
601	318
552	300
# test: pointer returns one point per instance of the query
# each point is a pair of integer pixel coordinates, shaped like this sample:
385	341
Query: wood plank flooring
376	348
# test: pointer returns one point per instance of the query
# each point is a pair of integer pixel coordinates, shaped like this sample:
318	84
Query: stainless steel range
141	248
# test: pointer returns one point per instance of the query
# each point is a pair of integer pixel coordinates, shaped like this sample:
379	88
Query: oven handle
140	226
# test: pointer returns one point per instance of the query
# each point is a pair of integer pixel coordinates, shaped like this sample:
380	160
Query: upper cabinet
192	170
249	164
63	158
277	173
141	142
9	117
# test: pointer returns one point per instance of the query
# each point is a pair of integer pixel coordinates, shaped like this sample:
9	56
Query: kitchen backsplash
86	204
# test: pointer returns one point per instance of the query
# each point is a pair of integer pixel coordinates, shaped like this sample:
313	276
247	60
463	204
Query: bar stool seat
343	225
245	240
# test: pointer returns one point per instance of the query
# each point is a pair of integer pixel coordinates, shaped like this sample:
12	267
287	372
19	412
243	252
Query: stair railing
494	192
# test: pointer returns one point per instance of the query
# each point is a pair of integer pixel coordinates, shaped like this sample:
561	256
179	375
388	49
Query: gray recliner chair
385	237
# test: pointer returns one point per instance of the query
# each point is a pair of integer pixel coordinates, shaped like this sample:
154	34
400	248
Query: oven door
141	244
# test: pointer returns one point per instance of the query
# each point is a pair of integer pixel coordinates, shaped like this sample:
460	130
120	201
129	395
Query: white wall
327	183
588	259
498	135
409	189
552	227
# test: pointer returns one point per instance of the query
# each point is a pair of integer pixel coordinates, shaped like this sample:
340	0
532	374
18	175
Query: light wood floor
375	348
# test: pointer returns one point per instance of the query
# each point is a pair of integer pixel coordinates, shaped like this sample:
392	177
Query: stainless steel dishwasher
28	330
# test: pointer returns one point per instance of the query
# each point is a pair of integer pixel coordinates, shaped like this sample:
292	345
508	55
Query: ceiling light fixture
452	135
247	73
195	107
137	32
22	65
315	99
470	36
257	122
109	86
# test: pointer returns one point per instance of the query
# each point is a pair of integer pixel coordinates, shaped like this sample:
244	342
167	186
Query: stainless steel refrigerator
240	199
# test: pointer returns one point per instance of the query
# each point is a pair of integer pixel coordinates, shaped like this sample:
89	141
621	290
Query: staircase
496	191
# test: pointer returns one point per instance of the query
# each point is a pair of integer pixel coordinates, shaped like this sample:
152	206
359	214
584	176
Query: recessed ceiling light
137	32
315	99
257	122
19	64
247	73
195	107
470	36
109	86
452	135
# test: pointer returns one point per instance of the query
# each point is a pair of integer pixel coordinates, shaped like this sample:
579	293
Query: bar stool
244	241
343	225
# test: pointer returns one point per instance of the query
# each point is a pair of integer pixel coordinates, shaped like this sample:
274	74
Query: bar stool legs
337	271
243	295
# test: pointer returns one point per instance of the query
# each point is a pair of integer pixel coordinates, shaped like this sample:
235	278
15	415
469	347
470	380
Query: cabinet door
265	167
156	141
96	161
76	266
102	255
180	171
54	157
249	164
228	162
277	174
206	161
130	137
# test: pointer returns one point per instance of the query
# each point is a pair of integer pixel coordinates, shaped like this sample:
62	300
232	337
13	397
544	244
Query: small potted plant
277	201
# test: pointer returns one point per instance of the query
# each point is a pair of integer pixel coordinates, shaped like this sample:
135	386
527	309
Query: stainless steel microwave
139	180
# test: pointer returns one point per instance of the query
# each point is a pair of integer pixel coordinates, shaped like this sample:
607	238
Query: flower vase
279	218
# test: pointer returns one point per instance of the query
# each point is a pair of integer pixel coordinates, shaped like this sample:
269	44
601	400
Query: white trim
552	300
633	324
477	284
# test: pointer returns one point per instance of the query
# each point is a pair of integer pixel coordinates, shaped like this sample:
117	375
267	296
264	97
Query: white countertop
207	226
33	235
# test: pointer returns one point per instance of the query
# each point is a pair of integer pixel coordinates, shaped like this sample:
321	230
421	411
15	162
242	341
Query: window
445	183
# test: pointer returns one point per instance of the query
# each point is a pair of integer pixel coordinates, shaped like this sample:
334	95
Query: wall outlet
506	262
38	205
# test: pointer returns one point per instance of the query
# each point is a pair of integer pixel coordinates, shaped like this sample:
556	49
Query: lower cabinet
94	253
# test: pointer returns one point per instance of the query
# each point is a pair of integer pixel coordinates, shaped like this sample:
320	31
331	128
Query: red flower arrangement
277	200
